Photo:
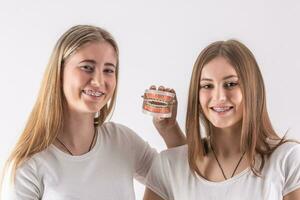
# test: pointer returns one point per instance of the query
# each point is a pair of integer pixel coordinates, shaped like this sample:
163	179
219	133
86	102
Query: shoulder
26	182
175	156
117	131
285	151
115	128
32	166
285	164
112	126
35	165
175	152
28	173
120	134
37	159
284	159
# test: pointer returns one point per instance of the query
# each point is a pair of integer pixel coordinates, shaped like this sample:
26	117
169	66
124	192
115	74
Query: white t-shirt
171	178
106	172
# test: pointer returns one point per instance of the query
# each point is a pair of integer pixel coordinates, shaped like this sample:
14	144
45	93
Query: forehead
98	51
102	48
218	68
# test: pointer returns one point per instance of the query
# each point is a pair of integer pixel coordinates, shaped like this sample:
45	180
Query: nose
98	79
220	94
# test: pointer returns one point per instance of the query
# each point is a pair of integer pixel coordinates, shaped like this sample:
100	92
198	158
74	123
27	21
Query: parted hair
257	129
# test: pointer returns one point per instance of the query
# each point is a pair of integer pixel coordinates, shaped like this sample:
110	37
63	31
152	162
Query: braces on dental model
158	103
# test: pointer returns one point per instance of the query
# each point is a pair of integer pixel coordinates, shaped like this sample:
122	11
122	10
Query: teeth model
158	103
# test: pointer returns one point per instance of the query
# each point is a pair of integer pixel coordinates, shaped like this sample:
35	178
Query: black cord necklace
221	166
69	151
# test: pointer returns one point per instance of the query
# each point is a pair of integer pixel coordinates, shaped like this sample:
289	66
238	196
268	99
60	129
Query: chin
223	124
93	108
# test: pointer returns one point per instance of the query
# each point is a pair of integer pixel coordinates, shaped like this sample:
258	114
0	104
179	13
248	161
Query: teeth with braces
221	109
93	93
156	102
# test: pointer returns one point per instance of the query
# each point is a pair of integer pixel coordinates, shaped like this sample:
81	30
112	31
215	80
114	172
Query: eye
230	85
109	70
206	86
87	68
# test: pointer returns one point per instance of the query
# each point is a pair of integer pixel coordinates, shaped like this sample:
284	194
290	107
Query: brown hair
46	118
256	125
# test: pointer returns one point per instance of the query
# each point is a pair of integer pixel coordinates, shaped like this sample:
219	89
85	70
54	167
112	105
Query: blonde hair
256	125
46	118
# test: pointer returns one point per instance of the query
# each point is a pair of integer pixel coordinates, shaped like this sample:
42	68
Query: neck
226	141
78	131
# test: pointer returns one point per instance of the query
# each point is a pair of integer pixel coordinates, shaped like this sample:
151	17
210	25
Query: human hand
164	125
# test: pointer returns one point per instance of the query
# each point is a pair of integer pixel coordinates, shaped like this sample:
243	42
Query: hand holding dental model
161	103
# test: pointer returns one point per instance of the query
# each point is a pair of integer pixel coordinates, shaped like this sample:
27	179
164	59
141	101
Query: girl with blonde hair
232	150
67	149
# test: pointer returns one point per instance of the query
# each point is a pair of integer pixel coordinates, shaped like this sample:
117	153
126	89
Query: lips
93	93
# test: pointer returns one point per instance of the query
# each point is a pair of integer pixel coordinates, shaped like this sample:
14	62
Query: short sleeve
292	170
138	153
26	186
144	156
158	179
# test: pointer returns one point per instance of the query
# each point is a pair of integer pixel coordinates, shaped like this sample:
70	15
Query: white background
159	42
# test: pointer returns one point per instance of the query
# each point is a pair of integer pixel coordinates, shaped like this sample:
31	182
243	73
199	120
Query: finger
172	90
152	87
175	97
167	89
161	88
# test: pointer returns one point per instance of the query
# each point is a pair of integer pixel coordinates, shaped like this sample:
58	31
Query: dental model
158	103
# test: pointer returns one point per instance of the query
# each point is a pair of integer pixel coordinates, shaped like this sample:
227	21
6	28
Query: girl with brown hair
232	150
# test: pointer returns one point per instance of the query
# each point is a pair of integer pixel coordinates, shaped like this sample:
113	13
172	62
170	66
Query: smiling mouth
93	93
222	109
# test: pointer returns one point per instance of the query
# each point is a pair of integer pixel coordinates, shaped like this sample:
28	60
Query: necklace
69	151
221	166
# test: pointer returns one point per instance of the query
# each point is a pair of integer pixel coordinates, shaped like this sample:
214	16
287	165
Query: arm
295	195
149	195
168	128
172	135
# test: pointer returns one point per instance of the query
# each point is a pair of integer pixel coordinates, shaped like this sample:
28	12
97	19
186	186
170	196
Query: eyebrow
225	78
94	62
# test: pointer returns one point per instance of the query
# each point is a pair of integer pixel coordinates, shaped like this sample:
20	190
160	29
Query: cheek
203	99
112	83
66	82
73	82
237	98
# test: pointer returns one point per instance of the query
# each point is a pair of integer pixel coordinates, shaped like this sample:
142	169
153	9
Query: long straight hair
256	126
46	118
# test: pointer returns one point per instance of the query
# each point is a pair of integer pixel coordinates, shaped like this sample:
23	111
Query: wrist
167	130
